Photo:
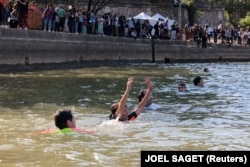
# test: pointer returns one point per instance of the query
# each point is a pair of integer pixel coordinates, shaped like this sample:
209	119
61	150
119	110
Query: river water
215	117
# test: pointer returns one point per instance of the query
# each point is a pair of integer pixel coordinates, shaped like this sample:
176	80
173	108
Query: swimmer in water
65	122
206	69
64	119
120	111
198	81
182	87
141	95
149	105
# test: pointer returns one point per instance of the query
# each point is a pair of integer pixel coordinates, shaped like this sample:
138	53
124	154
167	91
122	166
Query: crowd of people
14	14
203	35
79	21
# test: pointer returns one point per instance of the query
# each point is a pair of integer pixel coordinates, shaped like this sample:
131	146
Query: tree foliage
188	2
235	9
192	10
245	22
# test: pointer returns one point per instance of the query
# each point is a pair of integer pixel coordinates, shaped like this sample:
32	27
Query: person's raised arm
143	102
122	103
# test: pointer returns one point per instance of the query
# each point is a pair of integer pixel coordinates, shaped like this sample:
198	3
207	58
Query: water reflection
215	117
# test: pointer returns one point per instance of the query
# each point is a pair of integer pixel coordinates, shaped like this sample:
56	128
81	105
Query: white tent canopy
143	16
159	16
156	18
152	20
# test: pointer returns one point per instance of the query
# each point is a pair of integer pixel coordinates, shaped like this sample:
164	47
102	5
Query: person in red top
119	110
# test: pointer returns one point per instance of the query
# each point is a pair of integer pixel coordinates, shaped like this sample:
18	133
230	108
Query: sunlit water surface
216	117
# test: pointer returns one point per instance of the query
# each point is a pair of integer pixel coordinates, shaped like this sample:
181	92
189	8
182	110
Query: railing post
153	49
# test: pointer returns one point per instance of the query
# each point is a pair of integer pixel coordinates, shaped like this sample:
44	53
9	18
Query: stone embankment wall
28	47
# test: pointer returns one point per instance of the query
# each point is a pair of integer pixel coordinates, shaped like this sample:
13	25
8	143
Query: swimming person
182	87
119	110
198	81
206	69
149	105
65	121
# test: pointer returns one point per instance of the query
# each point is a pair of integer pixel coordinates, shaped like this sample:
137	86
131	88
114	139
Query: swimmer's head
64	119
113	110
182	87
198	81
206	70
141	95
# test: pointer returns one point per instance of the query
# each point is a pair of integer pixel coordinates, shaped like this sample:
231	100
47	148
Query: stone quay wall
26	47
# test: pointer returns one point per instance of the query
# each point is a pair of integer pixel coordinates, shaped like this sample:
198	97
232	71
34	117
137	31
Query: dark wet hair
141	94
206	70
197	80
113	110
183	85
61	117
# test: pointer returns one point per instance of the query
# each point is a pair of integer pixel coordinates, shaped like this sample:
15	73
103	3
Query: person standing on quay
23	14
92	20
61	14
1	10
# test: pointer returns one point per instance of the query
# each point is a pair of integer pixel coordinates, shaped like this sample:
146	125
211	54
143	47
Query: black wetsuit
132	116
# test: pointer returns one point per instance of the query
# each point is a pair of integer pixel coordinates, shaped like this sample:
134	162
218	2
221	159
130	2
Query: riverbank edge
24	50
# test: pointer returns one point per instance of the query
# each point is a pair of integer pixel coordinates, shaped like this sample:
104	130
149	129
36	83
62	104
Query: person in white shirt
149	105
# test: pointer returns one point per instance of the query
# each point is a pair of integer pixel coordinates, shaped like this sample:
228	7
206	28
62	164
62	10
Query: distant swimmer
206	70
119	110
182	87
198	81
149	105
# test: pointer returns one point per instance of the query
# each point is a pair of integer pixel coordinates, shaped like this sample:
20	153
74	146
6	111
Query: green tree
234	9
188	2
245	22
192	10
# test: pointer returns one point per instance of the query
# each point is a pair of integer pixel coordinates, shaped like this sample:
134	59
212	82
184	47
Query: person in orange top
33	6
120	111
